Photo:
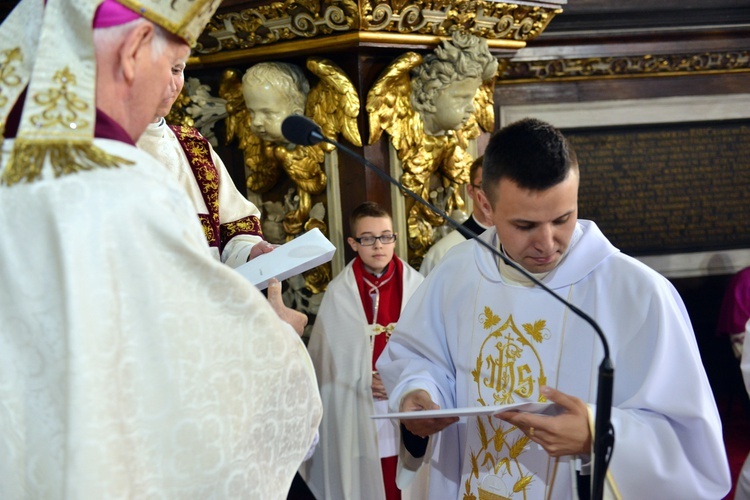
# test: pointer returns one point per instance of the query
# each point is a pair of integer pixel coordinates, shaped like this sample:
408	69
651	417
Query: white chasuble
471	337
132	363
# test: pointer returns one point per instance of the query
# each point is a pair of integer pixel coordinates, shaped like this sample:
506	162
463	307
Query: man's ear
136	45
471	191
483	202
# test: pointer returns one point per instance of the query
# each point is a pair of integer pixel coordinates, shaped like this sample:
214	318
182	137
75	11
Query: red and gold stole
198	153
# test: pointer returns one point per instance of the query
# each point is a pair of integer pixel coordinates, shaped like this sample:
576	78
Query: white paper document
290	259
545	408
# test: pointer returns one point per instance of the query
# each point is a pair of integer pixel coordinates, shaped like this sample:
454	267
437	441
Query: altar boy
356	457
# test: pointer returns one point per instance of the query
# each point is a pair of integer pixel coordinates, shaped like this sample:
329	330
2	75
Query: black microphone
301	130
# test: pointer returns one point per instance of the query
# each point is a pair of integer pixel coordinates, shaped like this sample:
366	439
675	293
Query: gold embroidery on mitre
184	18
502	370
65	157
10	61
62	107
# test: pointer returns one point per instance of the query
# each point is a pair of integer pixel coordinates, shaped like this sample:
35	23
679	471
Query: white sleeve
234	207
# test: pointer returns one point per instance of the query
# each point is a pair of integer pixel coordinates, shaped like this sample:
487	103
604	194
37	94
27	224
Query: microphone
301	130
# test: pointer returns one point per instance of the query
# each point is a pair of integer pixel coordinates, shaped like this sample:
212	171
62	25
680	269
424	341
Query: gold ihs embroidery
501	365
507	365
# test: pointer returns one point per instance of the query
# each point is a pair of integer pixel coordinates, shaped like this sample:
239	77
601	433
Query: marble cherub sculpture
259	102
431	107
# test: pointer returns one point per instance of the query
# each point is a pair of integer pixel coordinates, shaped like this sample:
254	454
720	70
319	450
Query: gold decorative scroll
623	66
491	20
275	22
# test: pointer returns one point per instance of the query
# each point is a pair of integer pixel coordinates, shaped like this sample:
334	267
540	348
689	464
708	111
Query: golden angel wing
304	165
388	105
333	103
238	119
484	105
261	165
261	168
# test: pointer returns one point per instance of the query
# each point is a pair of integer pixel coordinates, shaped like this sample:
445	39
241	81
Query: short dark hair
366	209
531	153
475	165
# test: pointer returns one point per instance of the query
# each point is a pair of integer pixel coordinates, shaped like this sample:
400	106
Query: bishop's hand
297	319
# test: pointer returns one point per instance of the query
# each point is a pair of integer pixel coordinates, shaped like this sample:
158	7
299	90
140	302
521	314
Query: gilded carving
492	20
196	107
256	106
279	21
623	66
282	21
431	108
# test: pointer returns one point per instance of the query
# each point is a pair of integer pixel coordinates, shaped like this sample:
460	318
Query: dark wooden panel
670	188
604	6
621	88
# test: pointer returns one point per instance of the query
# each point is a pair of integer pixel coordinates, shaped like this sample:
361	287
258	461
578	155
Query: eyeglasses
476	186
385	239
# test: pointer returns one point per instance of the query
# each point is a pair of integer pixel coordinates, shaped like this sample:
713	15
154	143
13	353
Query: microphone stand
604	435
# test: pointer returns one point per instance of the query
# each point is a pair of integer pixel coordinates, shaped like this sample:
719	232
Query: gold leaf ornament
406	101
333	103
490	318
536	330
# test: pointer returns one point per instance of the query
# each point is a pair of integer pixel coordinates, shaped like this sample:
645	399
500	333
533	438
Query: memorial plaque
667	188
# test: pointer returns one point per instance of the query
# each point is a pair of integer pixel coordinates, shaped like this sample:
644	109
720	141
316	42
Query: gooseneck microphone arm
301	130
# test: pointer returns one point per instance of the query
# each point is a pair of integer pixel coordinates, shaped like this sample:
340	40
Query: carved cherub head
273	91
444	84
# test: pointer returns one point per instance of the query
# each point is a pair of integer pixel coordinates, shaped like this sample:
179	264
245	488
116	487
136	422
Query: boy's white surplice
471	337
346	463
132	363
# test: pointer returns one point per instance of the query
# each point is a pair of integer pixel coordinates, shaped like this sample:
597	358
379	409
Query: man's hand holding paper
419	401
